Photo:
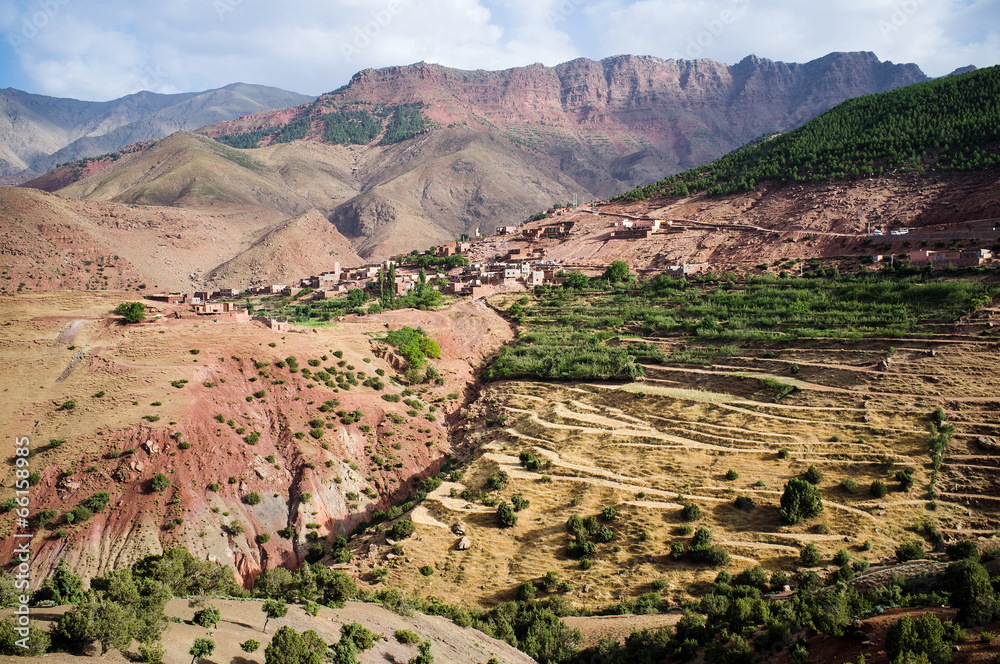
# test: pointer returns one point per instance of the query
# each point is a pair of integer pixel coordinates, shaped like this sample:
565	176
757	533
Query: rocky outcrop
660	115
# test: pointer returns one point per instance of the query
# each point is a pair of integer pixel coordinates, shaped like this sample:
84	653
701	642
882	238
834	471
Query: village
450	273
517	264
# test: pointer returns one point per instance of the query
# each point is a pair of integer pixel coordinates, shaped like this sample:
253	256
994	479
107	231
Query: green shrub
691	512
809	555
253	498
800	500
813	475
497	480
427	570
506	517
160	482
966	549
526	591
519	502
402	529
132	312
97	502
878	489
905	479
207	617
910	551
407	637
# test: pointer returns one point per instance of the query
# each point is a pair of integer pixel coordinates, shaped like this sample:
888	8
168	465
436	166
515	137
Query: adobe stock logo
715	28
563	11
223	7
363	36
902	12
34	23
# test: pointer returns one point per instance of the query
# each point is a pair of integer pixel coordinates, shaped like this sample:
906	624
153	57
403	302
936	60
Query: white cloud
939	35
99	50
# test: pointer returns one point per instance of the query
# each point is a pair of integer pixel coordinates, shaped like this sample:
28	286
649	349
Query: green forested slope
946	124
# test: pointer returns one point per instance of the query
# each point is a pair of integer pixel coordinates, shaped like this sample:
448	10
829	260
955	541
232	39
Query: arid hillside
832	221
249	444
243	620
50	242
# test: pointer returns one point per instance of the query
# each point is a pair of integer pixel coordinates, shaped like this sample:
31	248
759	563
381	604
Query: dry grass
648	447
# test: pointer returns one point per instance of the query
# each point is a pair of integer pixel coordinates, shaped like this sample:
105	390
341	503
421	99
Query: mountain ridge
38	132
419	154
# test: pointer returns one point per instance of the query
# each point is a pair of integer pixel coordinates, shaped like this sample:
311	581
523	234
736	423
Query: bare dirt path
69	333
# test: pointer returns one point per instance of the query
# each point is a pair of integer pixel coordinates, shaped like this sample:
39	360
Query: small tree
250	645
801	500
813	475
809	555
425	656
617	271
273	608
506	517
402	529
923	636
690	512
132	312
878	489
498	480
201	648
207	617
160	482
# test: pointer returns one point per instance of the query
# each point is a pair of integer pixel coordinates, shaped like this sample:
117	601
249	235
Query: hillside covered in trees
946	124
355	124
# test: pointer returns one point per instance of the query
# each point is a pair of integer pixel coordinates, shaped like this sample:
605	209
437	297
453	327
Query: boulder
458	529
464	544
987	443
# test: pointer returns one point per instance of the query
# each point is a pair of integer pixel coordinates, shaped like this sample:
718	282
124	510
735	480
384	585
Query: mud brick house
272	323
688	268
169	298
631	233
957	257
214	308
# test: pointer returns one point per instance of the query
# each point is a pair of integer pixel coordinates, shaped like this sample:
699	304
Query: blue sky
102	50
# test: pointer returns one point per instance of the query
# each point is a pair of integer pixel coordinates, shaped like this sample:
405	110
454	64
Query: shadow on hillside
239	624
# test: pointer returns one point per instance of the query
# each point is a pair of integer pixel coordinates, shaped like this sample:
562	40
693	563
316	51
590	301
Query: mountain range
39	132
409	156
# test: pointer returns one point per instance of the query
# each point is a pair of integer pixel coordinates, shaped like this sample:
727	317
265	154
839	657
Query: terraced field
648	448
